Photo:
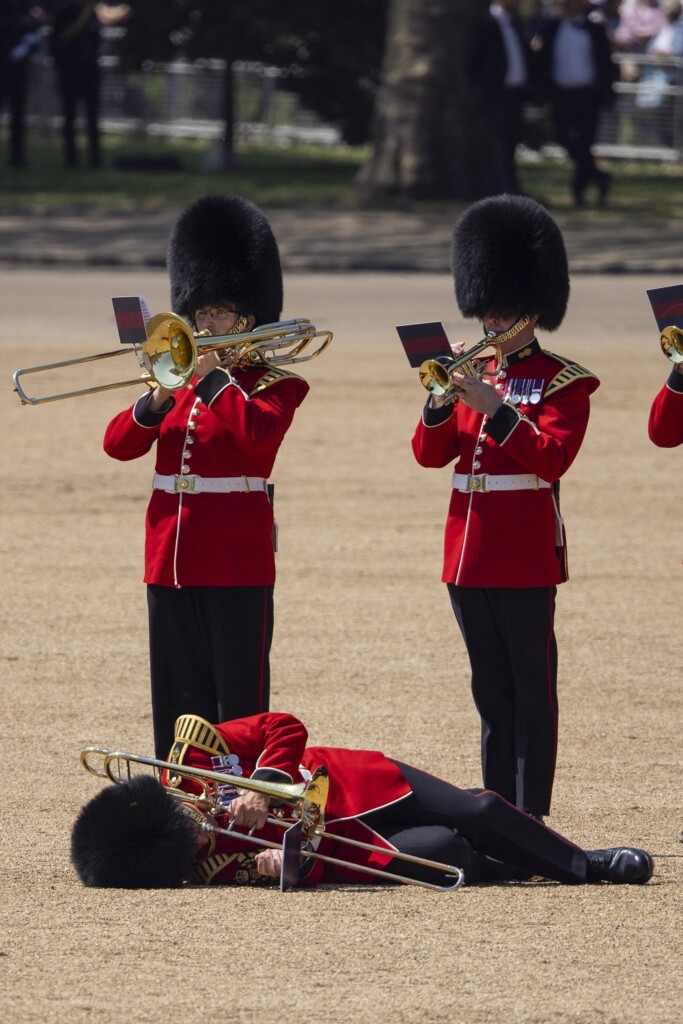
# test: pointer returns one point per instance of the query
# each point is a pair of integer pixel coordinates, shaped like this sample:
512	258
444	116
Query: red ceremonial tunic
510	538
218	427
273	746
665	425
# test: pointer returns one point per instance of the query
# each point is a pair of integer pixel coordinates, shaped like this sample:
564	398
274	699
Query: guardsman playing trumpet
137	835
209	552
512	436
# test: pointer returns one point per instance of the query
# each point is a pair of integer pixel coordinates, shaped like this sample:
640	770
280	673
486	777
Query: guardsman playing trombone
209	550
138	835
512	436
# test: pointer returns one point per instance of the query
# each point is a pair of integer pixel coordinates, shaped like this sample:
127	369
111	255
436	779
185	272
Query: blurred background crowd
587	76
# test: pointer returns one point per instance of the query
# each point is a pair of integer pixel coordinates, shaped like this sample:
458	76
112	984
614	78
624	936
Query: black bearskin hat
133	836
223	250
509	258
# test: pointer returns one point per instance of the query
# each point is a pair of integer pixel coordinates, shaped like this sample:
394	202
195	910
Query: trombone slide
30	400
291	849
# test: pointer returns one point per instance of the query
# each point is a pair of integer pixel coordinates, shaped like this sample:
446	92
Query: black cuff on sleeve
675	381
502	423
433	417
208	387
147	417
270	775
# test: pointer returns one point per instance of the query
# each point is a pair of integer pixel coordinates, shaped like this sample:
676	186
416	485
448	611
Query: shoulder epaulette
272	375
567	375
193	731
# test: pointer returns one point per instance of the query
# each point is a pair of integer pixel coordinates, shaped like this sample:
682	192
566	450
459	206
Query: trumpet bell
434	376
672	344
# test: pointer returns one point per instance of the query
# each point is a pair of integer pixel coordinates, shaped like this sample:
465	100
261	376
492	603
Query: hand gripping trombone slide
306	799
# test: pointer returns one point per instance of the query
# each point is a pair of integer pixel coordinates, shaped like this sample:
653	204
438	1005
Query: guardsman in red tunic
512	436
209	558
665	425
137	835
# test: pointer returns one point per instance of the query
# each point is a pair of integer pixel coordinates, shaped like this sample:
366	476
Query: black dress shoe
622	864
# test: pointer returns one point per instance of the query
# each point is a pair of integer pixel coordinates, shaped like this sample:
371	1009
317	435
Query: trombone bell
170	352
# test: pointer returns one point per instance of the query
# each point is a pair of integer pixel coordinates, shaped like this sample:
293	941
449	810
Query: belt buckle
184	484
477	482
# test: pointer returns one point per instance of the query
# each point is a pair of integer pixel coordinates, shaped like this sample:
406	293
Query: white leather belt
484	482
193	484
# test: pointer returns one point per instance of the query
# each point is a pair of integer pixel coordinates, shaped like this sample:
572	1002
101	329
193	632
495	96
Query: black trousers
14	90
475	830
503	114
209	654
510	640
80	82
576	113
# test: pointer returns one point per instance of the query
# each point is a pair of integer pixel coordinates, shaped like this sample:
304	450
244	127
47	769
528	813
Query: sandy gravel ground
365	651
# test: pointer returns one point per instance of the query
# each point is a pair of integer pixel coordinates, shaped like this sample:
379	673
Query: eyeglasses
213	313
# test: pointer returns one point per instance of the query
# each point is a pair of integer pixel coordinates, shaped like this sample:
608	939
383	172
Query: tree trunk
428	141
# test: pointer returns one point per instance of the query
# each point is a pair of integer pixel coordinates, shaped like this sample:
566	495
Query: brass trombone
671	341
168	356
306	799
435	374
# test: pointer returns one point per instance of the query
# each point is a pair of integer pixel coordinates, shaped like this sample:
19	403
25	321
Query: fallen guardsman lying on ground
200	829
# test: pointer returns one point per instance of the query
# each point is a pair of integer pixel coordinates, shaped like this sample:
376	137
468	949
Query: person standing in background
20	36
75	44
498	68
639	22
577	74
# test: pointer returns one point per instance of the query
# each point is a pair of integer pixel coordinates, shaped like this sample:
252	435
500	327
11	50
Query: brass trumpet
671	341
170	352
307	801
435	374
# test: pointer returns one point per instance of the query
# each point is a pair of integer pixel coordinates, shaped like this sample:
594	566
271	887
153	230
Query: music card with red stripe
131	313
667	305
424	341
